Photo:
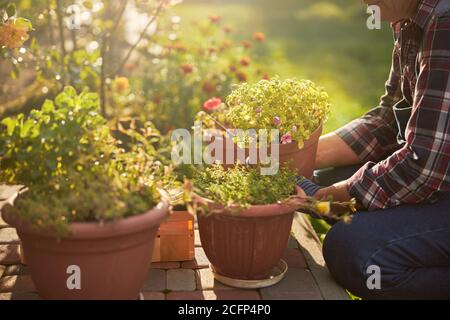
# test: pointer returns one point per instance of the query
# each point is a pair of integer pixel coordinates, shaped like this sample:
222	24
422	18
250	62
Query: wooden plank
312	250
176	239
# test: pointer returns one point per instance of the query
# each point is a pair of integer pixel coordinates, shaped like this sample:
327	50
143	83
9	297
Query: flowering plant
295	107
196	63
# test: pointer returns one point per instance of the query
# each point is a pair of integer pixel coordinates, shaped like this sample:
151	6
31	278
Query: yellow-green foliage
243	185
295	107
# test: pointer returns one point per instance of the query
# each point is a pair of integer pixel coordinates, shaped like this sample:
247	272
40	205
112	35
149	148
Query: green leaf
10	125
48	106
24	23
25	129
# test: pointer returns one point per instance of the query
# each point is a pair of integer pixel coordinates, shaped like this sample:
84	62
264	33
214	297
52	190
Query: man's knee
346	258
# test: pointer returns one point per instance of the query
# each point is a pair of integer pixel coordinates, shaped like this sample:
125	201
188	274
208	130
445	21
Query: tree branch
59	11
104	51
141	37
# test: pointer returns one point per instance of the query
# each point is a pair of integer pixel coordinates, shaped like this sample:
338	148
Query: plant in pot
91	207
245	219
296	108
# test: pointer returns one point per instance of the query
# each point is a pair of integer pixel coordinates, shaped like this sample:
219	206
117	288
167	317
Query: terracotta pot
249	245
300	160
114	259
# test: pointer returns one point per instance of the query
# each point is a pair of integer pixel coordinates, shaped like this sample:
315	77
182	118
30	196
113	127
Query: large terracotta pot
300	160
248	245
114	259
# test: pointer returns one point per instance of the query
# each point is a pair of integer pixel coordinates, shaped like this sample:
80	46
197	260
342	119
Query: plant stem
104	53
59	11
50	23
141	37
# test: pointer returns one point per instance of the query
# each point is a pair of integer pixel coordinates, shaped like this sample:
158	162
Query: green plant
243	186
295	107
74	168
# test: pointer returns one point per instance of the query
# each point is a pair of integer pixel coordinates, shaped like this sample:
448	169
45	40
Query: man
403	187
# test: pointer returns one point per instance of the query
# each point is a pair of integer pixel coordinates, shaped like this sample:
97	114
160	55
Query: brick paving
306	279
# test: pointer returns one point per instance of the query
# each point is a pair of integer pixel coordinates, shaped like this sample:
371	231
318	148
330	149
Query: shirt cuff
364	187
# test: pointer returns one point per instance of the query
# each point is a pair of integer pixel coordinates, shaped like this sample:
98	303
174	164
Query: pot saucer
275	277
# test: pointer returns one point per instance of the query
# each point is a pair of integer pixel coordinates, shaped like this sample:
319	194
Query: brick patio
307	277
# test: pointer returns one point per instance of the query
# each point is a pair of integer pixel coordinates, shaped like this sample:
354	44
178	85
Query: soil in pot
95	262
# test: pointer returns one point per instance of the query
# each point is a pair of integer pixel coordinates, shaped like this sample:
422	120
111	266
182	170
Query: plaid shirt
417	170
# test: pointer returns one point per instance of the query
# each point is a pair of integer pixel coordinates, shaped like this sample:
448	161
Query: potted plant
296	108
245	218
91	211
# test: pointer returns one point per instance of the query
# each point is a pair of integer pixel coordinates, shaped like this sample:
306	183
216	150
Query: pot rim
254	211
95	230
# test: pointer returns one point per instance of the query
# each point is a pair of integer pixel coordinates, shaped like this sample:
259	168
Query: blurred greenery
324	41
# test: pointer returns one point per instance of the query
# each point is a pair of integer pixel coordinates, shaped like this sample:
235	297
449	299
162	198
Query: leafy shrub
243	186
75	169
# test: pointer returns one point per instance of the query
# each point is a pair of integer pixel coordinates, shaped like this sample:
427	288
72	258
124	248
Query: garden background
169	75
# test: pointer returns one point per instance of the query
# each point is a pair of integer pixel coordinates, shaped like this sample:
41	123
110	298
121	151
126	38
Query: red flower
259	36
286	139
212	104
215	18
246	44
245	61
242	76
227	30
209	87
187	68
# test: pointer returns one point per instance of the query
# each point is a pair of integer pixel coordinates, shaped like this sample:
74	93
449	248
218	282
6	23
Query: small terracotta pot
114	259
248	245
300	160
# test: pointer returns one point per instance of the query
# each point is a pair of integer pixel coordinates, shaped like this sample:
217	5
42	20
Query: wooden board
175	241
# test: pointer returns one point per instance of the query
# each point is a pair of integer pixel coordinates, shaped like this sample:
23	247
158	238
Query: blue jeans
408	246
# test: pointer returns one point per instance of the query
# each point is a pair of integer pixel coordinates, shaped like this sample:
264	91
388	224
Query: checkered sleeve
374	136
420	169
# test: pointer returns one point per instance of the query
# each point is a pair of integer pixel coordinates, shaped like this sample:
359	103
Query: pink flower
212	104
286	139
294	129
258	110
277	121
